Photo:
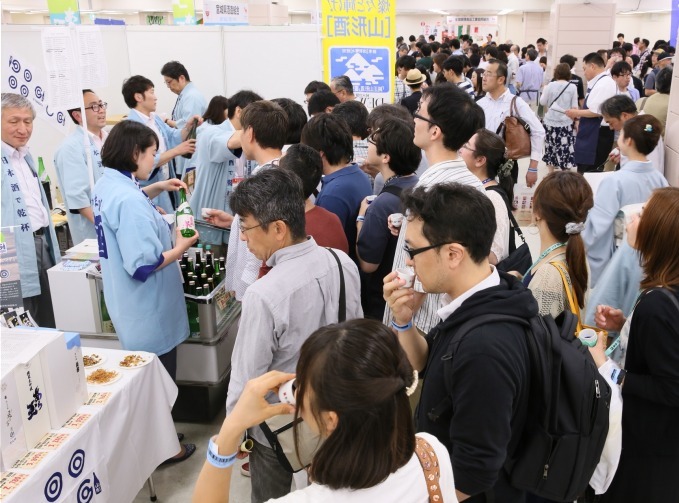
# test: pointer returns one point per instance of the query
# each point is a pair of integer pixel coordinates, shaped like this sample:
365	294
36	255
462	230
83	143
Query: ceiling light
504	12
436	11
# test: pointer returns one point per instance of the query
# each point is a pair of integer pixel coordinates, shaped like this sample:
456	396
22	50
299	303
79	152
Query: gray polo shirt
282	309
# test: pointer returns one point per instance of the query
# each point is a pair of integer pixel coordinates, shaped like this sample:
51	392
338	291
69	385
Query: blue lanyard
549	250
487	180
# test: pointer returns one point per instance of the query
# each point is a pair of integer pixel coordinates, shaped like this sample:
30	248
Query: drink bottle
185	222
191	136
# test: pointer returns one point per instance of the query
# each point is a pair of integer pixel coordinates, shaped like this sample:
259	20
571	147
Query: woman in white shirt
559	96
484	155
353	382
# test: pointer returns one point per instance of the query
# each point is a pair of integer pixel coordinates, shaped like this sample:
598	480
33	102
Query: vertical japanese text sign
358	39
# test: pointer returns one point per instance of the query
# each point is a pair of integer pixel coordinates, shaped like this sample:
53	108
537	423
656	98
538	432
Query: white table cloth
110	456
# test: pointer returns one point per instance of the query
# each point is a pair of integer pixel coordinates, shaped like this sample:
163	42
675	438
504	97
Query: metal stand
152	489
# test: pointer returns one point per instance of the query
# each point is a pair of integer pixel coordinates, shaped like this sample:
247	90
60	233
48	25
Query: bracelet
215	459
360	218
532	170
402	328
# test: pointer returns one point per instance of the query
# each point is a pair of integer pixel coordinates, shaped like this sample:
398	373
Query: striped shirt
467	87
401	91
444	172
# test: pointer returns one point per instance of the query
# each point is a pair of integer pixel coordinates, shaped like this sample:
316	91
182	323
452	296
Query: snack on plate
91	360
131	361
102	376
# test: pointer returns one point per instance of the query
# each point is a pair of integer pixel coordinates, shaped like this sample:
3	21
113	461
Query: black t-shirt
376	245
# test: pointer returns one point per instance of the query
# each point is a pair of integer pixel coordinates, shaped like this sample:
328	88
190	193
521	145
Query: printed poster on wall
357	41
21	77
64	12
225	13
183	12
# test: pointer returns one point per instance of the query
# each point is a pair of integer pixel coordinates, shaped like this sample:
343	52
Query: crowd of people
362	241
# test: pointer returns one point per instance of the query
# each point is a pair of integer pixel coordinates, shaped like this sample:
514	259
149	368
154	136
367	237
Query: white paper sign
93	67
59	55
225	13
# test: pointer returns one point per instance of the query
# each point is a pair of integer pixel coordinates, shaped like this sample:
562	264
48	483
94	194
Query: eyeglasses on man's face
416	251
243	229
97	106
417	115
372	137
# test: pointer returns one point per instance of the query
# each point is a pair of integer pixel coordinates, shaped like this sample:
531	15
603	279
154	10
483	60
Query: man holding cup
445	120
480	417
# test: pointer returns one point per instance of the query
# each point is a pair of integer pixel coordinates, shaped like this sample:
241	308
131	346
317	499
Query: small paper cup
370	199
588	337
396	219
407	275
286	393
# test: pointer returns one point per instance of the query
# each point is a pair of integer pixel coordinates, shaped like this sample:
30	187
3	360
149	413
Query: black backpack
567	424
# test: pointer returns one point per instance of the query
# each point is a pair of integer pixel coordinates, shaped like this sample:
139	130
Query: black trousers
604	146
40	306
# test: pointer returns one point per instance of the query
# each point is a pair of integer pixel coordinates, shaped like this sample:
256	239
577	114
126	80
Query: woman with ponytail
560	207
353	383
484	155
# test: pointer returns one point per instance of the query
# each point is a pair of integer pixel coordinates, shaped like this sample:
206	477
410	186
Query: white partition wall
672	134
274	61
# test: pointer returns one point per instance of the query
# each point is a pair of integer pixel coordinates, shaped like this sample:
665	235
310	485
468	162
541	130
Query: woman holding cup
353	382
650	380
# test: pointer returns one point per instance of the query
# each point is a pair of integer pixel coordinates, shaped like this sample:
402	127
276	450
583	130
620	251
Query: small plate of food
93	360
103	377
135	360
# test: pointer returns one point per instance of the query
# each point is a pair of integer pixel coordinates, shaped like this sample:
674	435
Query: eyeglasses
488	74
467	147
416	251
97	106
425	119
243	230
371	137
168	82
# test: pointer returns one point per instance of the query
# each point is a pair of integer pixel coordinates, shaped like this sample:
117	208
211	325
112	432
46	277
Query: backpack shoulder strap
454	343
342	312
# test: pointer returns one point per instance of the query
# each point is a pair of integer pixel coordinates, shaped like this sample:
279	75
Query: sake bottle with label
185	222
191	136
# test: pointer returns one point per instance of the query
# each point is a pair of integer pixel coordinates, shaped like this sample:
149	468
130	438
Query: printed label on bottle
185	222
182	207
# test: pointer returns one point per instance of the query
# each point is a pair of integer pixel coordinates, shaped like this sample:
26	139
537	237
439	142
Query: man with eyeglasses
72	168
298	295
496	104
475	400
445	120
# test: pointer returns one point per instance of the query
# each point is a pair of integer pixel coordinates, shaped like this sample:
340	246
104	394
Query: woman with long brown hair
650	380
560	207
353	382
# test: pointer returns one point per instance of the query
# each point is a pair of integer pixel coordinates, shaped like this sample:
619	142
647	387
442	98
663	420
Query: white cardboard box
26	371
12	439
62	369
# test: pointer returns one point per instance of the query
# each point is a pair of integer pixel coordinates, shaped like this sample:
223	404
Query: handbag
279	430
516	133
573	301
426	455
520	259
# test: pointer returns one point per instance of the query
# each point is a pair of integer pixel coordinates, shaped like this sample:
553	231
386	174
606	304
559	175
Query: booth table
108	449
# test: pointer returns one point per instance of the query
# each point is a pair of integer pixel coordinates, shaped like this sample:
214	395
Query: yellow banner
358	41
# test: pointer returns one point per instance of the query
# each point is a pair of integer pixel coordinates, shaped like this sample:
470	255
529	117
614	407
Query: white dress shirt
449	306
598	92
497	110
150	121
30	187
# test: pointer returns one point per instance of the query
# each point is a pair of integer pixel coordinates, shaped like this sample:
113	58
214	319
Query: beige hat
414	77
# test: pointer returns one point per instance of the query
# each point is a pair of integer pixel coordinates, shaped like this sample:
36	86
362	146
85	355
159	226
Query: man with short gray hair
25	208
299	294
342	88
529	79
